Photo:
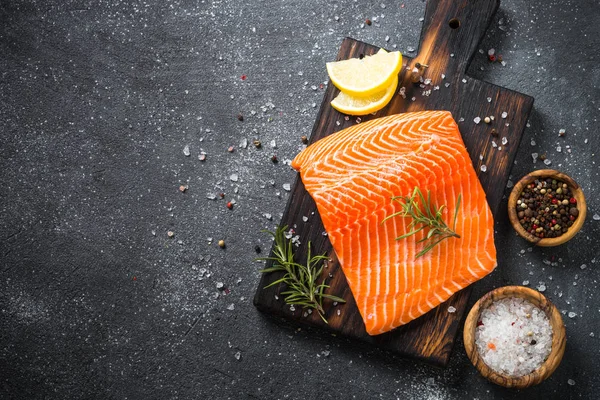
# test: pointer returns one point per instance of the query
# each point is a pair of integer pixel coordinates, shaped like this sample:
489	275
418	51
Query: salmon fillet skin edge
352	176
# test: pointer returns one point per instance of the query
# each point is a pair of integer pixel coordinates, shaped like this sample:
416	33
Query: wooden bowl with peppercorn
538	308
547	207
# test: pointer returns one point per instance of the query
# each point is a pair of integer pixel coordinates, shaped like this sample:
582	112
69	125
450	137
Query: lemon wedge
352	105
367	76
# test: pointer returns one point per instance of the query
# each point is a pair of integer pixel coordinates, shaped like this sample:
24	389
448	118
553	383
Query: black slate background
98	100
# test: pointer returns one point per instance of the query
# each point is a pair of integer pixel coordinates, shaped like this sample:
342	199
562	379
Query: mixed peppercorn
546	208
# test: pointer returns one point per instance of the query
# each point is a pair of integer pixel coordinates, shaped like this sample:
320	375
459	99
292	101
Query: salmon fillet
352	176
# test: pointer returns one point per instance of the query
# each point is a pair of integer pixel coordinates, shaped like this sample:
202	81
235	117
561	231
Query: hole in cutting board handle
454	23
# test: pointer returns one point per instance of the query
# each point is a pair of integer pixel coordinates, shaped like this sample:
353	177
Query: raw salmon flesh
352	176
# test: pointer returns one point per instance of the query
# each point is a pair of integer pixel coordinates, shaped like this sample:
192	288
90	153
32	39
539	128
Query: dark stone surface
98	100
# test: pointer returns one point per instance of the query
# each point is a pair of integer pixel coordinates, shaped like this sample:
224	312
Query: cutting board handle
454	27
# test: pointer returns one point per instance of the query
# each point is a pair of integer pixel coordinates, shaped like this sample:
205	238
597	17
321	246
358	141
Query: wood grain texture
575	190
446	51
558	337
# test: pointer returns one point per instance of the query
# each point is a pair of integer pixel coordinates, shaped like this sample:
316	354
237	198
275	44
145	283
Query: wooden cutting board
451	32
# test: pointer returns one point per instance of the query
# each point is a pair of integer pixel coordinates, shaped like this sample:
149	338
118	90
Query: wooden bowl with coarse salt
575	192
539	301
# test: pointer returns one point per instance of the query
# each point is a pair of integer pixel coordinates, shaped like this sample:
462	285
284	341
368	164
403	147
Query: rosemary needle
301	280
427	216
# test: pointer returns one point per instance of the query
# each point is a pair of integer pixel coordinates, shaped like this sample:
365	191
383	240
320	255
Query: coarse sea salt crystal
483	168
477	120
513	336
451	309
541	287
504	114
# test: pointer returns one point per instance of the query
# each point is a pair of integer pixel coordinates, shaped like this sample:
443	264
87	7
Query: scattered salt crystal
451	309
504	141
534	156
387	38
447	84
231	307
572	314
481	156
561	132
571	382
525	283
443	76
509	184
477	120
464	80
491	52
504	114
489	99
583	266
494	144
547	161
410	49
287	187
238	355
502	338
591	334
596	217
532	142
305	218
273	144
427	81
558	149
541	287
186	150
268	216
234	177
483	168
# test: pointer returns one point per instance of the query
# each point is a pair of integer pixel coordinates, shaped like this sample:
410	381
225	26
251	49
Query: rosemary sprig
427	216
301	280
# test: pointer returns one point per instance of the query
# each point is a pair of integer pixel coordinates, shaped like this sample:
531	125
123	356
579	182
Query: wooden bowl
558	337
530	178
